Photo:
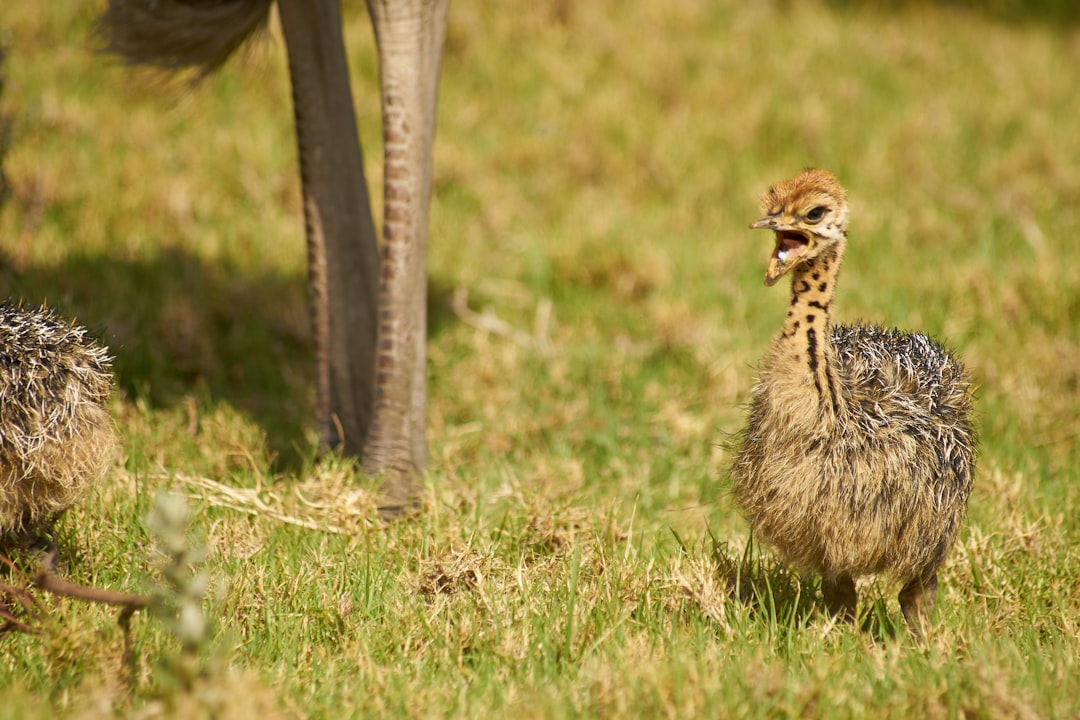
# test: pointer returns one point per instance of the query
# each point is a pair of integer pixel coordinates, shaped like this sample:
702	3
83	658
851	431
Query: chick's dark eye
816	214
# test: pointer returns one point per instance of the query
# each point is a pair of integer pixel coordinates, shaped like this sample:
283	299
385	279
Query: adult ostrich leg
410	36
372	385
368	312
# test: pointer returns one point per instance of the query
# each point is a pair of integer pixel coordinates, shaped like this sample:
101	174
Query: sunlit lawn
596	167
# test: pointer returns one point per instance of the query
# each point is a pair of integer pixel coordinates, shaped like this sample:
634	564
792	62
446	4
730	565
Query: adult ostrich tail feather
178	34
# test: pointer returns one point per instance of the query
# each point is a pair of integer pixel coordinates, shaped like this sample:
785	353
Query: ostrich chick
56	436
858	454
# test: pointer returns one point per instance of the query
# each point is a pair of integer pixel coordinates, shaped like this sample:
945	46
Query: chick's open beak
790	244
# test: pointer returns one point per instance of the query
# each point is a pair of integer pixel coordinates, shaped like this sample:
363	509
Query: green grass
578	547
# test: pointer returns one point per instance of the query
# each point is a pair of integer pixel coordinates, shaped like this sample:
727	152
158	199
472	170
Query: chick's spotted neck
806	338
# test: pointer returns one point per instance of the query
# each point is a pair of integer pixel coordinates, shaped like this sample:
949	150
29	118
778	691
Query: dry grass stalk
325	503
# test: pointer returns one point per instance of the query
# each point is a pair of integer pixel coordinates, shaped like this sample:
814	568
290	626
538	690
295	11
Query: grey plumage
179	34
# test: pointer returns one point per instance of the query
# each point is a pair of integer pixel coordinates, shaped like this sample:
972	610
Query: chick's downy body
56	435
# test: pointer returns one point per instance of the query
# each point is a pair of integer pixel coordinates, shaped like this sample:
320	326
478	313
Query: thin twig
46	579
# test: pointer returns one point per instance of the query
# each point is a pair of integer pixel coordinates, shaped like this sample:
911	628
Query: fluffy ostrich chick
56	437
858	454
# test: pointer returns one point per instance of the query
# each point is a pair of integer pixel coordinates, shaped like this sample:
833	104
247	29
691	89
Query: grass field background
597	309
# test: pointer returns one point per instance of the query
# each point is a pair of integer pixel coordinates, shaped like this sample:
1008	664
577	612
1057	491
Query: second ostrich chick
56	436
858	455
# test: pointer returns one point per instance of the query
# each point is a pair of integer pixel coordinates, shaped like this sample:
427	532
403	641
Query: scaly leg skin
917	602
840	596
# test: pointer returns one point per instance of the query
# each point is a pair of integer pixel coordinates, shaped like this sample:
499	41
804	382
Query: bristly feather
56	436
